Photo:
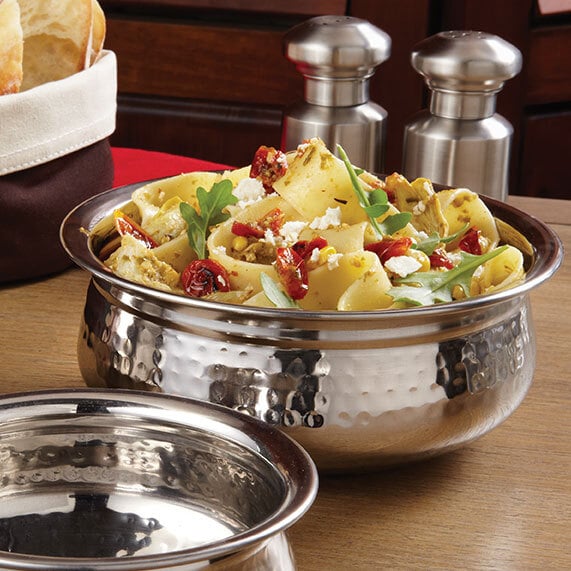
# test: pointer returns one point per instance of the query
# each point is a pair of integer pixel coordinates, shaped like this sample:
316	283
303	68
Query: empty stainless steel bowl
356	389
125	480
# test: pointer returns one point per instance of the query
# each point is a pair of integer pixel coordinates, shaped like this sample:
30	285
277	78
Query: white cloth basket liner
58	118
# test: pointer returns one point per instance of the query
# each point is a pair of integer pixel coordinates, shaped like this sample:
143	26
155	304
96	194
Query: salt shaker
460	140
337	55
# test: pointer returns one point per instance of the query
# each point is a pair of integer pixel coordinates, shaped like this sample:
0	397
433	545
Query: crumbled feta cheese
333	261
281	159
419	208
332	217
302	147
426	185
275	240
290	231
269	237
248	191
402	265
220	250
314	257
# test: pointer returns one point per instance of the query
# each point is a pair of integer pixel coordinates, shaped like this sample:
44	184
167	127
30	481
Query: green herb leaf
275	294
428	245
379	203
212	205
427	288
379	196
363	200
375	203
376	210
395	222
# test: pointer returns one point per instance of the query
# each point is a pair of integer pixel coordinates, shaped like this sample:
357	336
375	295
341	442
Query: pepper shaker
337	55
460	140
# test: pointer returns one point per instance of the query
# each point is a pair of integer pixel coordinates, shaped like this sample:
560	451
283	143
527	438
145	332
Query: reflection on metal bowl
125	480
359	390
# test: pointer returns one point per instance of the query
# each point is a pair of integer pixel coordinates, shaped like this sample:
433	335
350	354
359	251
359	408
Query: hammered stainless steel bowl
359	390
95	479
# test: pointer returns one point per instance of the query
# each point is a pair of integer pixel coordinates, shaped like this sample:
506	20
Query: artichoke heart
421	201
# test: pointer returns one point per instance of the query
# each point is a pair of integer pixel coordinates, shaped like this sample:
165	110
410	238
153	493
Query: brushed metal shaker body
360	130
337	55
460	140
471	153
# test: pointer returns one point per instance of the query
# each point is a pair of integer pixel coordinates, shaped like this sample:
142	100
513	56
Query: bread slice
98	31
57	39
11	47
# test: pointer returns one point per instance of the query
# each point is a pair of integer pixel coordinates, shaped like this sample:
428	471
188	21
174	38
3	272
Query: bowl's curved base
411	434
354	409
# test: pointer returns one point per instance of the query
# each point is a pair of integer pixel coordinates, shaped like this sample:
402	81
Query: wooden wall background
207	78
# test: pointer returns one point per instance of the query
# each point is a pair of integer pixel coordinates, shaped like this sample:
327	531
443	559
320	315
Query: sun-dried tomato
246	230
304	248
268	165
273	220
292	272
390	247
470	242
439	259
126	225
202	277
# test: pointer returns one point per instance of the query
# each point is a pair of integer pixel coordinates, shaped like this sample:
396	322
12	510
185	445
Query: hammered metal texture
88	476
352	408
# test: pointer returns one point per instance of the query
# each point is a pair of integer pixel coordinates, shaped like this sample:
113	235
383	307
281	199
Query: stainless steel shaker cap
466	61
336	47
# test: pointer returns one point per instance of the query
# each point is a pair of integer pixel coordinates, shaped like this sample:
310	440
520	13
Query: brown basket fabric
33	203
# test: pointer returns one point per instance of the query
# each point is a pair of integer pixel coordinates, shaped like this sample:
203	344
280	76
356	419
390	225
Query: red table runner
136	165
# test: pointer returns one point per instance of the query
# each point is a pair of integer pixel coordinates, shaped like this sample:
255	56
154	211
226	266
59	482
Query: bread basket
54	154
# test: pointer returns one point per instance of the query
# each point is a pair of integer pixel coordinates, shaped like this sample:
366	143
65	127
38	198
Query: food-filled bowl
358	389
127	480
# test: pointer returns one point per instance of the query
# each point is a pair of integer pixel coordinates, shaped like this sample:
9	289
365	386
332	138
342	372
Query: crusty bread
98	31
57	39
11	47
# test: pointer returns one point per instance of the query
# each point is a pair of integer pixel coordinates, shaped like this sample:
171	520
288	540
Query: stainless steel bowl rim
76	226
296	468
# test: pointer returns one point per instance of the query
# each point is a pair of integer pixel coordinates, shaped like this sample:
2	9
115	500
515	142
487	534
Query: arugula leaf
379	203
375	203
428	245
212	206
275	294
394	223
436	286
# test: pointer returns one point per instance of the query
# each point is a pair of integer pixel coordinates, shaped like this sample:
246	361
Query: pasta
308	230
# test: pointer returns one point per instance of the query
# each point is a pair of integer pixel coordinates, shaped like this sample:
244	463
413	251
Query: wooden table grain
502	502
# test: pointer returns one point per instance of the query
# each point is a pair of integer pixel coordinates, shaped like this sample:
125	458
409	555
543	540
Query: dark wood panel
546	156
218	63
228	134
508	19
549	70
395	85
307	7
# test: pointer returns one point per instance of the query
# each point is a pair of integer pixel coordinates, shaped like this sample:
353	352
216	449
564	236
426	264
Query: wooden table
503	502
